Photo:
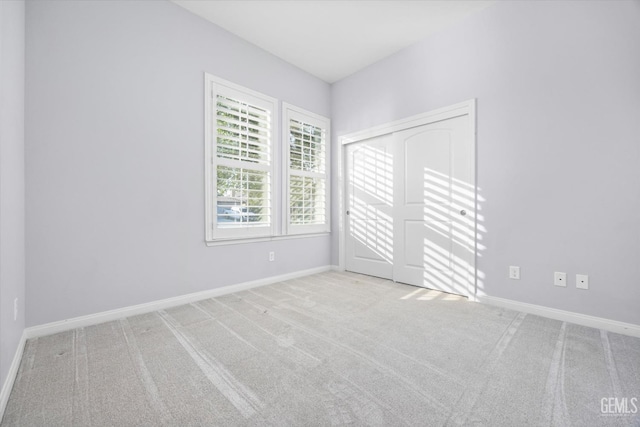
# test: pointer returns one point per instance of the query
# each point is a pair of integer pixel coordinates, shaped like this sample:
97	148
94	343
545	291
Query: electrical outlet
272	256
15	309
514	272
582	281
560	279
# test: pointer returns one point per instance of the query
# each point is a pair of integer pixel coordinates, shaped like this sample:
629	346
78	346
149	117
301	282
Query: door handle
463	212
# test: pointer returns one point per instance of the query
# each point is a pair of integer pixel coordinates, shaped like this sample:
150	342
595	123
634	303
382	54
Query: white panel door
434	206
369	194
410	200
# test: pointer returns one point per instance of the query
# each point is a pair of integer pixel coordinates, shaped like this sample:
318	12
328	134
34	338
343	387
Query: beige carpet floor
329	349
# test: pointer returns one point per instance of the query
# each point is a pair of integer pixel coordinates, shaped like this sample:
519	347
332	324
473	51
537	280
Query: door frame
456	110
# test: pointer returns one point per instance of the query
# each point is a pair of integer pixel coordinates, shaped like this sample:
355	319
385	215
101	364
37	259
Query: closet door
369	200
410	200
434	206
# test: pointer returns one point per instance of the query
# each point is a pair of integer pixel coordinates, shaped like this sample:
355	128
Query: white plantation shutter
307	160
240	144
243	131
241	184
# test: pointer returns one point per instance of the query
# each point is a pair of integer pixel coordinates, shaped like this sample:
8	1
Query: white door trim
462	108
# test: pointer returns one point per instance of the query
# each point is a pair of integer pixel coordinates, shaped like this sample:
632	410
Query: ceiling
333	39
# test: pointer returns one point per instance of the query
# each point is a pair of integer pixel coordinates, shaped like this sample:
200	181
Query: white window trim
213	87
296	113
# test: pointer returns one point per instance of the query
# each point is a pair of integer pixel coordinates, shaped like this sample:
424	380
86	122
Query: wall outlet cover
582	281
560	279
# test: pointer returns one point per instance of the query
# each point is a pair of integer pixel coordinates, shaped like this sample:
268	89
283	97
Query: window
307	164
239	161
249	196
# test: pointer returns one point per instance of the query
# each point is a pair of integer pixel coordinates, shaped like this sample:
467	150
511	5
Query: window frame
292	112
215	86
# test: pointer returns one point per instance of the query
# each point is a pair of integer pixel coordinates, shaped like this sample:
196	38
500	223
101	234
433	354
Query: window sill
224	242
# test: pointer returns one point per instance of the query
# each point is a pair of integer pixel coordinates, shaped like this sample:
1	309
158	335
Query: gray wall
114	142
114	146
558	93
12	254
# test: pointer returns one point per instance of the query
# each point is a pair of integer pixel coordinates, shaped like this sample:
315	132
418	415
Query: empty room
301	213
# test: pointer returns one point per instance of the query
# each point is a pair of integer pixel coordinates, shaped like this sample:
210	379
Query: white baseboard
106	316
565	316
11	375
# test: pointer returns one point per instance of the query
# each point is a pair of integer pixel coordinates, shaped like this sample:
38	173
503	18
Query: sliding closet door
434	203
369	201
410	201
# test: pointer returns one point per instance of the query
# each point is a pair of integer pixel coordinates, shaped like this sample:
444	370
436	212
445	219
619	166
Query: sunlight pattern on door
411	201
434	208
370	203
450	241
372	176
